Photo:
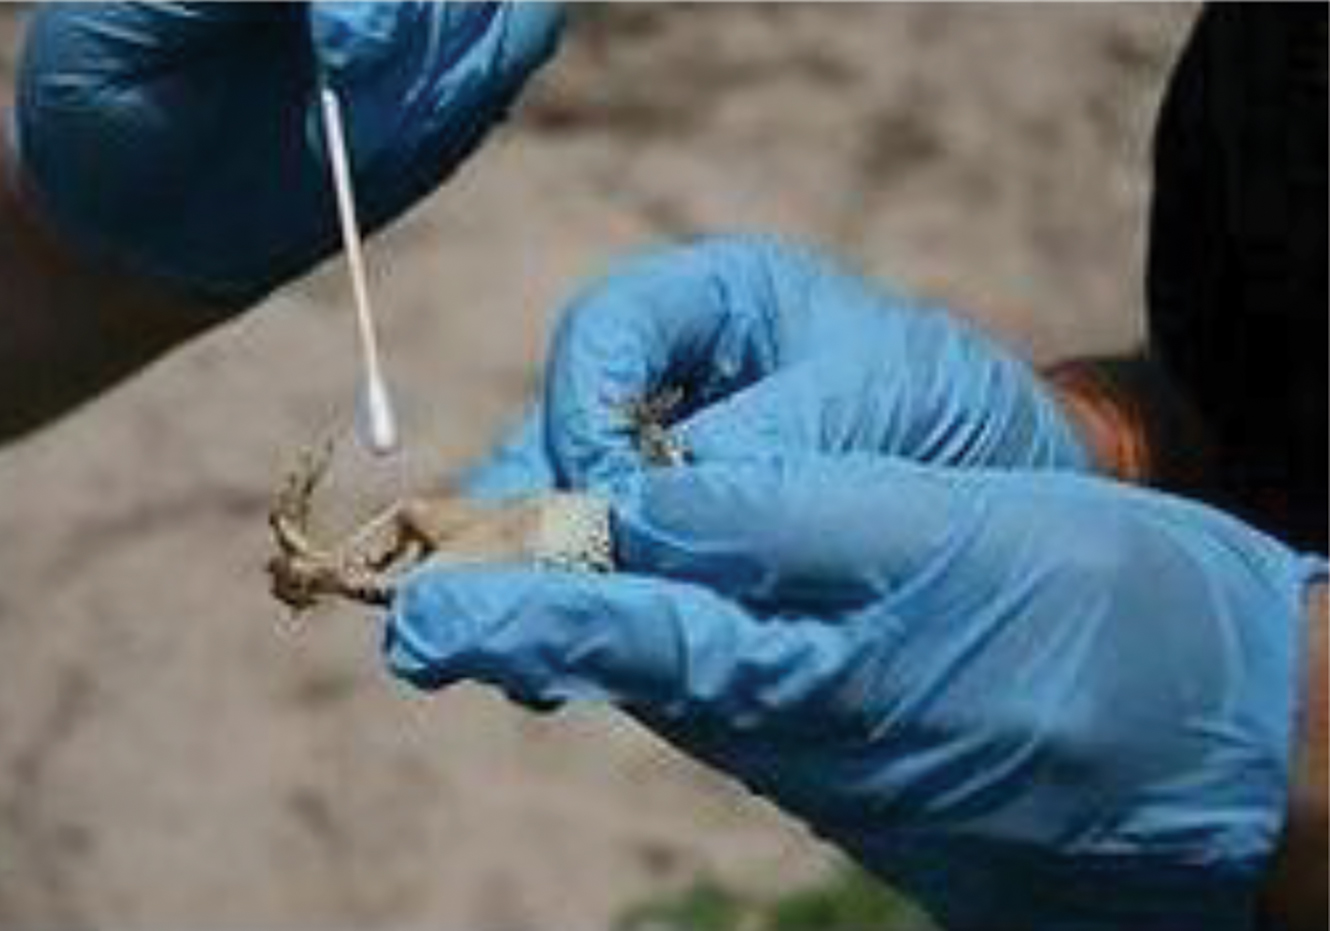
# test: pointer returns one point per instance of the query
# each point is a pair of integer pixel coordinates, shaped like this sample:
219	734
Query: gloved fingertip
412	645
407	664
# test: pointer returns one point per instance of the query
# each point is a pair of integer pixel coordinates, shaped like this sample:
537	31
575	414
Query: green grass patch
848	900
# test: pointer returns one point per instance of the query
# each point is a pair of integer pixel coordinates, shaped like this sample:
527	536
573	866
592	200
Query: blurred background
172	755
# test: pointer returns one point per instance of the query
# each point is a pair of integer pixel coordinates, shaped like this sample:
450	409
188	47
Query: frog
557	529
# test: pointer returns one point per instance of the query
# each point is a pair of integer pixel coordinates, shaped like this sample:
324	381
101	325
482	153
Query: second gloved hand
1032	700
182	141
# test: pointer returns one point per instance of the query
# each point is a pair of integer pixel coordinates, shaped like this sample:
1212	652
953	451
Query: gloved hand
775	347
1032	700
184	140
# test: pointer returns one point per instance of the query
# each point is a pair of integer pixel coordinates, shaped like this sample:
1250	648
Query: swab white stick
375	420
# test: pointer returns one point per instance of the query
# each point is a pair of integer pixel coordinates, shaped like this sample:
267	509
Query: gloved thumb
823	534
676	653
807	408
986	410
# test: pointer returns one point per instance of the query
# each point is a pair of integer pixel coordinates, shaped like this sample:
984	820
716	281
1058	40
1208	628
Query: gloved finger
422	81
826	535
708	318
987	410
679	653
519	466
807	408
356	40
873	403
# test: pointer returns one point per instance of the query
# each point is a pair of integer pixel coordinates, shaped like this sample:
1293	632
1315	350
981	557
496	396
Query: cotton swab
375	421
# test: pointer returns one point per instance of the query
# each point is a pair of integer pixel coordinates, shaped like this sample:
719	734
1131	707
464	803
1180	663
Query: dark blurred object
1237	277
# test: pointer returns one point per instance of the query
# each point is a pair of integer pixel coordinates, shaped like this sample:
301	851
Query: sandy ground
170	758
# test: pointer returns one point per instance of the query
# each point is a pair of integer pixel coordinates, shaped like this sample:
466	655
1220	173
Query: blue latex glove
776	347
1033	700
184	140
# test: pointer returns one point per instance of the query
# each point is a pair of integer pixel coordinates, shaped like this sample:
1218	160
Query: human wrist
1137	424
1110	428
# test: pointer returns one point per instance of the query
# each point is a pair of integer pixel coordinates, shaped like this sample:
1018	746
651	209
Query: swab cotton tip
376	423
